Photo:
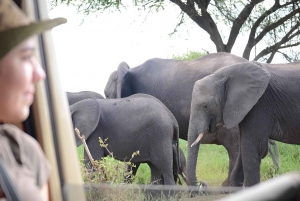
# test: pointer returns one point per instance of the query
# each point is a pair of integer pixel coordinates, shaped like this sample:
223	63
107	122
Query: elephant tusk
198	139
183	175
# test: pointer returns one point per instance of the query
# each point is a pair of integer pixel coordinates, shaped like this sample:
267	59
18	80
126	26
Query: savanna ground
212	167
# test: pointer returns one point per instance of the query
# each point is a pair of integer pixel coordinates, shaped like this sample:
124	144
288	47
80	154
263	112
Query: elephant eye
205	108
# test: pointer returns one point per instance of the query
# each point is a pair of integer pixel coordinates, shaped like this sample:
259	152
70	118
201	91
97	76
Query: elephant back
74	97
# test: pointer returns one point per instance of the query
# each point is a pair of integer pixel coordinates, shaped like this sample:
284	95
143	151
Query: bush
107	169
191	55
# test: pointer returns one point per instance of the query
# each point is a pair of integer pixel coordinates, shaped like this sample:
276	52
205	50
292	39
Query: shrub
191	55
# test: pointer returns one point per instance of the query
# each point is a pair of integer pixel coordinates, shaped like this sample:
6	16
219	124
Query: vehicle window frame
49	121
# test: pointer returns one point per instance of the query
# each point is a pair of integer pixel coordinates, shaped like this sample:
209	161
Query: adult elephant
263	99
172	81
136	123
74	97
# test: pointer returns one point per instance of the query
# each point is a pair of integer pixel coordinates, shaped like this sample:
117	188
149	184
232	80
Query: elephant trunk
192	159
198	126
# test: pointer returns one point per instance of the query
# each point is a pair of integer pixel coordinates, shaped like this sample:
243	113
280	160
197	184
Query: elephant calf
137	123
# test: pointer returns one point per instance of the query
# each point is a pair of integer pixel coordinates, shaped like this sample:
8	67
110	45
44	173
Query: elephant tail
274	153
176	157
176	162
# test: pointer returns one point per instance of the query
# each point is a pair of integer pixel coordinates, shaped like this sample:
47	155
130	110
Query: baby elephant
137	123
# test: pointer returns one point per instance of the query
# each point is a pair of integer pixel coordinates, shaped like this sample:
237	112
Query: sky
87	53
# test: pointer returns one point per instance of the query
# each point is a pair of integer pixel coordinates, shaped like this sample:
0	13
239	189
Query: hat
15	26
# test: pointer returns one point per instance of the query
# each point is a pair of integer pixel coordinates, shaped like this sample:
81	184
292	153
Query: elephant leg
161	160
237	173
134	169
251	163
156	177
256	129
230	139
252	151
168	177
164	178
165	167
232	160
164	175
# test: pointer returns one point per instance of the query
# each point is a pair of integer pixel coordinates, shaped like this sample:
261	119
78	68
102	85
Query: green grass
289	156
212	165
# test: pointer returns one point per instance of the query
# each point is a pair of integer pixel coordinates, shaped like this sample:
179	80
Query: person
22	156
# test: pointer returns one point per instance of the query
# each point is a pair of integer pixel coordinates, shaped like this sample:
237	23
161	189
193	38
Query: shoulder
25	141
31	153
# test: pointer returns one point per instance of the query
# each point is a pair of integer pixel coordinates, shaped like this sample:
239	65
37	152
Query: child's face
19	71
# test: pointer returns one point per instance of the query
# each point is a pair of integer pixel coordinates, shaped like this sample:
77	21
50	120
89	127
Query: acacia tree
273	25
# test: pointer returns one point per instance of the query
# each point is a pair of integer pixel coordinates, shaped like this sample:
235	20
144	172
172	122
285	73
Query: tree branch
82	138
226	15
212	27
289	59
291	45
238	23
205	21
275	25
178	24
273	48
251	40
190	10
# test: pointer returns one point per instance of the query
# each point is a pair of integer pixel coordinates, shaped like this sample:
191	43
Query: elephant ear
245	84
85	117
123	85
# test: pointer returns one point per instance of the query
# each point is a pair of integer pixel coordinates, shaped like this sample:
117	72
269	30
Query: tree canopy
272	26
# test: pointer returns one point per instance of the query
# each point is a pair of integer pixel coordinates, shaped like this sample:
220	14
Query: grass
212	165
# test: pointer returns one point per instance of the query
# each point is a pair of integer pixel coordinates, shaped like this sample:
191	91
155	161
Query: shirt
25	162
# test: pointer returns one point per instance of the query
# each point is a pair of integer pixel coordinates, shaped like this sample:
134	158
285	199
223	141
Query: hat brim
13	37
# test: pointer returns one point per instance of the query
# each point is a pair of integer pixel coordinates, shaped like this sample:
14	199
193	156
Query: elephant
74	97
136	123
262	99
172	81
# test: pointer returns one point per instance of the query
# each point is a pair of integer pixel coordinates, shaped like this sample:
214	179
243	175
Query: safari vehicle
49	122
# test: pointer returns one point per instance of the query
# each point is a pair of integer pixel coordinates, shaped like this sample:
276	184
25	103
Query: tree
271	26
